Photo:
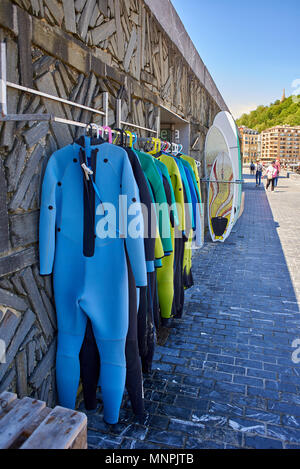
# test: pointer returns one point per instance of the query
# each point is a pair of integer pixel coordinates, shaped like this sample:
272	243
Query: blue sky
251	48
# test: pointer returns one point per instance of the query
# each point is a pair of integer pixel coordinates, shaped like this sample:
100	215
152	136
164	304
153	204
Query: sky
251	48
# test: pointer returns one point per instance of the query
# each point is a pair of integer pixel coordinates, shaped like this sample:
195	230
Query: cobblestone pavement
226	378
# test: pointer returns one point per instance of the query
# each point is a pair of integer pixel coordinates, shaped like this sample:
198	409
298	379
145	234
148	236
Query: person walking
271	173
259	170
278	167
252	168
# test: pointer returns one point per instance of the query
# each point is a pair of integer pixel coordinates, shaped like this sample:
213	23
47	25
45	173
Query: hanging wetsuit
152	173
187	278
89	356
90	272
194	235
196	178
165	275
190	164
152	297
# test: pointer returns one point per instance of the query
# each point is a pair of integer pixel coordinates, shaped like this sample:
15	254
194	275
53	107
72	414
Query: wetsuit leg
90	361
142	322
108	311
147	358
134	379
178	277
89	368
165	283
187	264
71	321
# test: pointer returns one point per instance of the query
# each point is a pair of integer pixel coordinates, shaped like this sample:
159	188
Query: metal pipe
53	98
3	89
138	127
238	181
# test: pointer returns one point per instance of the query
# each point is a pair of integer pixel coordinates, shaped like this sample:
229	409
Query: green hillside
278	113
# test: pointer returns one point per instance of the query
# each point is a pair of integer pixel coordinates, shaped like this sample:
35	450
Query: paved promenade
226	378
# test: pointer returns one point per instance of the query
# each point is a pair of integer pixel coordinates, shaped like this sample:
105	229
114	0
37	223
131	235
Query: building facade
250	144
281	142
137	51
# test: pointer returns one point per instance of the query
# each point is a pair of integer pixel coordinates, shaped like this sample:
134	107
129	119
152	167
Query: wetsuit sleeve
159	250
48	219
179	196
135	245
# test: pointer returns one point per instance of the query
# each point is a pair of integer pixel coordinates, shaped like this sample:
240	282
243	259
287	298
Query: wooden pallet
29	424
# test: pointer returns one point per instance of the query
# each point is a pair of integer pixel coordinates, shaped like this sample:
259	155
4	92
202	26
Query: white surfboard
225	122
221	211
216	143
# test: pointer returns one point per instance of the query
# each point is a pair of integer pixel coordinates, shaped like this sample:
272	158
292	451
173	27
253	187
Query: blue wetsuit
90	273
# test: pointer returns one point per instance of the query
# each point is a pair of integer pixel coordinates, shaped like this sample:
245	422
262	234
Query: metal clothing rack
237	181
39	117
119	121
4	85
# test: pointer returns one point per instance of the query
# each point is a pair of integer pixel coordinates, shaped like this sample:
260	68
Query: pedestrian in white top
271	173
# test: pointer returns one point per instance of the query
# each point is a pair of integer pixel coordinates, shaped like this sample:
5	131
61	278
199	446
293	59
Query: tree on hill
286	112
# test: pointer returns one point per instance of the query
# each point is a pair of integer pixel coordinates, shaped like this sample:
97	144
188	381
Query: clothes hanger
108	129
129	134
119	133
167	148
154	151
123	136
135	140
90	127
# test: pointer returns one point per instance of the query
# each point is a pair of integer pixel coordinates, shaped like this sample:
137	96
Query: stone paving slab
226	377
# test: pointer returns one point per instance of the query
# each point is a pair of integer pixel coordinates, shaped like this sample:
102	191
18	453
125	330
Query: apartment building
250	144
281	142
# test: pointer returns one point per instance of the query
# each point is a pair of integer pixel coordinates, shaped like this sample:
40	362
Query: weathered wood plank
35	299
86	18
6	382
56	10
36	133
24	228
13	301
18	261
22	331
120	35
62	133
69	14
103	5
44	367
104	31
130	49
24	41
58	431
26	177
21	364
13	423
6	398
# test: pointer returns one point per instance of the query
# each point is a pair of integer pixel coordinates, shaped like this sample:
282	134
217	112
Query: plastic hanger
154	151
122	135
108	129
129	134
135	139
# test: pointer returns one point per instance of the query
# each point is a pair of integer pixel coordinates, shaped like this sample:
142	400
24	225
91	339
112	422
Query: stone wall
75	50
